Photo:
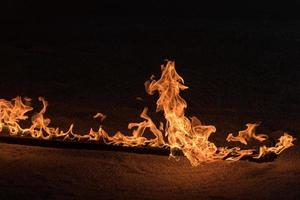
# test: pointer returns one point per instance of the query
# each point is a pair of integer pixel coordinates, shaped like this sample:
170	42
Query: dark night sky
246	9
241	56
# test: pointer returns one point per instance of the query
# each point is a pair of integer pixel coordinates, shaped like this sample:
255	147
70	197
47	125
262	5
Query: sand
48	173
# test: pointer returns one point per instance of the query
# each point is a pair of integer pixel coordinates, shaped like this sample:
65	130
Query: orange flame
179	133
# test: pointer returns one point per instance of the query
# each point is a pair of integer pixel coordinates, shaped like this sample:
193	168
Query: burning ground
37	172
239	79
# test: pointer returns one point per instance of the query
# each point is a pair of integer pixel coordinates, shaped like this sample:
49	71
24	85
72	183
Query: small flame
285	142
247	134
179	133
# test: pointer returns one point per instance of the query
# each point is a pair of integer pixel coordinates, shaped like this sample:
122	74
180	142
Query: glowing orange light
179	133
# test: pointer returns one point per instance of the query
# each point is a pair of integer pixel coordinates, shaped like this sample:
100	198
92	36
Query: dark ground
47	173
238	69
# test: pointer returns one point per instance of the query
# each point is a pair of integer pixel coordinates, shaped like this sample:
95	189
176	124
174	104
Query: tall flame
179	133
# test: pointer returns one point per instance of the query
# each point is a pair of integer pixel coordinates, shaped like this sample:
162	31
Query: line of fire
179	132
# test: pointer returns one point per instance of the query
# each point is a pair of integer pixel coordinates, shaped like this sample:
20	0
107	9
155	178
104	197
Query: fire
179	133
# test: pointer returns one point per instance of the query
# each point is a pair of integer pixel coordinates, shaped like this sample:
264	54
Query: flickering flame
179	133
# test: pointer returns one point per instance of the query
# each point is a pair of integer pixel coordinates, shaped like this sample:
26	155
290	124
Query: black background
235	57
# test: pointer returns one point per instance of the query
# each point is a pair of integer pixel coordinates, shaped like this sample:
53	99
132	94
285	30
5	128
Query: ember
179	133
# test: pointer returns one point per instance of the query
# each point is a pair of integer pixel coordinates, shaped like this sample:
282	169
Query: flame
285	142
179	133
247	134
